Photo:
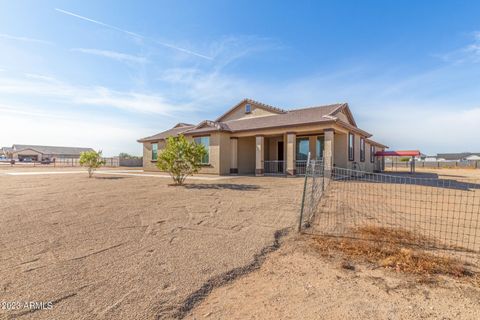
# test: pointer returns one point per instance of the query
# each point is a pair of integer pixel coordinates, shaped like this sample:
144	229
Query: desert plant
181	158
92	160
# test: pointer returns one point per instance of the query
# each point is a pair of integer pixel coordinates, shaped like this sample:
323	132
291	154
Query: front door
280	156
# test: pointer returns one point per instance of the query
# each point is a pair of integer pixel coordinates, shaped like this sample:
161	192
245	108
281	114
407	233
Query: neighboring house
23	152
255	138
433	159
421	157
5	152
457	156
473	157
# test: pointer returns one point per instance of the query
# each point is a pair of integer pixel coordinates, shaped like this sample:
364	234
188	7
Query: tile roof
175	131
254	102
51	149
294	117
457	156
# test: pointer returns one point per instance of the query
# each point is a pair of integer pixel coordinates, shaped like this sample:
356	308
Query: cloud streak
49	89
135	35
469	53
122	57
24	39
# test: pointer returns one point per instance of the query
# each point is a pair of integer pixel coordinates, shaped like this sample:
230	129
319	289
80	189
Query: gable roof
50	149
256	103
183	124
175	131
289	118
282	118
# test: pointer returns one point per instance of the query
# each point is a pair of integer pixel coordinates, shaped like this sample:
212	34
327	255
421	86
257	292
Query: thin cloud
55	128
133	34
113	55
24	39
469	53
33	86
39	77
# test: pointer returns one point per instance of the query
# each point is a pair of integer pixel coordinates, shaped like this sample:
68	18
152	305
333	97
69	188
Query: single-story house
457	156
21	152
256	138
473	157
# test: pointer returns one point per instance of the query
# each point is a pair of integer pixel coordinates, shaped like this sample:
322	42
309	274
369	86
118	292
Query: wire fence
442	216
59	162
405	165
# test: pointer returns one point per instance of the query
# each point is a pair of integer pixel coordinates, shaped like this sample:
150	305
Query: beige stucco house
255	138
21	152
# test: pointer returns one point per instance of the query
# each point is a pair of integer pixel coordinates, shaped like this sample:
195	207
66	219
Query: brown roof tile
292	117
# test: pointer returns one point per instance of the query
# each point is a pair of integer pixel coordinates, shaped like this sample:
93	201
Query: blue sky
105	73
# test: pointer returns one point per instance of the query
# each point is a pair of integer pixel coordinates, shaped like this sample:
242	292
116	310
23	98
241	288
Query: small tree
125	155
92	160
181	158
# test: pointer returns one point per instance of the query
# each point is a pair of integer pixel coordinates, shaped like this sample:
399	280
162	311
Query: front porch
280	154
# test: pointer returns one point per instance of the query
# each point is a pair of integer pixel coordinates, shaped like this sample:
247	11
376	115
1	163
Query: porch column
329	148
259	155
291	141
233	155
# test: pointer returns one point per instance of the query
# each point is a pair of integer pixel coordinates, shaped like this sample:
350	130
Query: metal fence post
303	195
323	172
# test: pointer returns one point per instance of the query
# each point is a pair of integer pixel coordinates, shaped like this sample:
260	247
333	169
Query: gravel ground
129	247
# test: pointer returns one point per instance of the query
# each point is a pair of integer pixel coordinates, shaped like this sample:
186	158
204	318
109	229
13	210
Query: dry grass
394	249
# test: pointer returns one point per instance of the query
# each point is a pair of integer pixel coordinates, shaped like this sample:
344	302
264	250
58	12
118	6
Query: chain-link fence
439	215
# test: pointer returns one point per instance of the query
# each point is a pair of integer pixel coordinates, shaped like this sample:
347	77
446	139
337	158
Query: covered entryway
274	157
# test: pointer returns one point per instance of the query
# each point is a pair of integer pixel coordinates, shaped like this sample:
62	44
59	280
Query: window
303	148
248	108
319	147
204	141
154	151
372	153
362	149
351	147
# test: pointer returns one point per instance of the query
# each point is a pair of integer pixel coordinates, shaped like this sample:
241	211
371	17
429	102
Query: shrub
181	158
92	160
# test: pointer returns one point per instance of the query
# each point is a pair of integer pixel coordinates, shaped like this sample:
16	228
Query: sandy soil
297	282
129	247
467	173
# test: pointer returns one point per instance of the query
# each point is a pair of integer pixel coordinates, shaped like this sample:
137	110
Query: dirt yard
301	281
126	246
298	282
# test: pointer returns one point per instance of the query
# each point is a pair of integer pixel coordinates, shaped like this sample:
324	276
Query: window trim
304	138
207	163
362	149
156	151
322	146
372	153
351	156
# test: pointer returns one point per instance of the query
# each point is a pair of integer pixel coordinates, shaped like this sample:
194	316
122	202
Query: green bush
92	160
181	158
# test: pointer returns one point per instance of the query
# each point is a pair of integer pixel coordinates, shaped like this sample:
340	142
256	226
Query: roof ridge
40	145
264	104
321	106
